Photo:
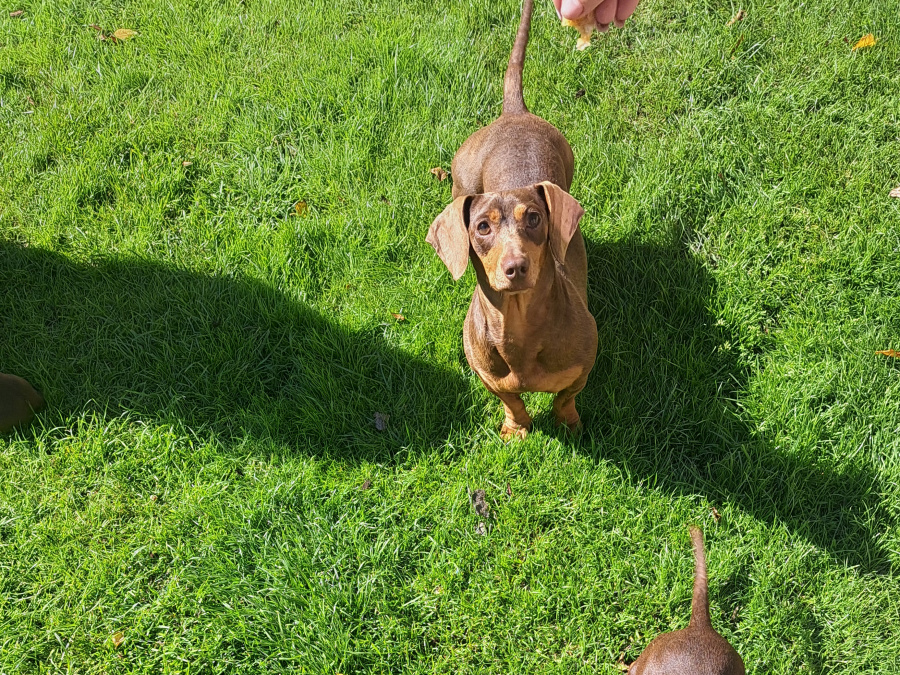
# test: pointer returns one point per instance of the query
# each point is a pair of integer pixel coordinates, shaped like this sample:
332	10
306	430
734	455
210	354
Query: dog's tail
513	100
700	603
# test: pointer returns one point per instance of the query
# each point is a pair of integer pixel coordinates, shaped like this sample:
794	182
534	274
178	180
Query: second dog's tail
513	99
700	602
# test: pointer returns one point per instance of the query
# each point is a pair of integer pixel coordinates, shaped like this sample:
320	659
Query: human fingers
575	9
624	9
605	12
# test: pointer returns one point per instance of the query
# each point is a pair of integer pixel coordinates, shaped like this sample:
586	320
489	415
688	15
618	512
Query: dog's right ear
450	238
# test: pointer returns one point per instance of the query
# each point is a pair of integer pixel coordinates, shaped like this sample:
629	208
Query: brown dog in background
528	327
697	649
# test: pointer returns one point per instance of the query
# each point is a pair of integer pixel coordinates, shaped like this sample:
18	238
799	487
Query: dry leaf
95	27
579	93
480	503
716	514
440	173
117	639
508	490
895	192
153	498
300	208
186	163
367	484
893	353
737	17
480	529
867	40
381	421
124	34
31	102
620	663
399	317
17	13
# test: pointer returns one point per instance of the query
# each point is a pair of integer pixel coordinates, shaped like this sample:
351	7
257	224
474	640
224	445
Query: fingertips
624	9
571	9
606	12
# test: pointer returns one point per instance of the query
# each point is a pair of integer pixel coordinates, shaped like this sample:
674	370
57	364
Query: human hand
606	12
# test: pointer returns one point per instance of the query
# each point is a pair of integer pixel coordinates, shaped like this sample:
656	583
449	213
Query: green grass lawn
194	499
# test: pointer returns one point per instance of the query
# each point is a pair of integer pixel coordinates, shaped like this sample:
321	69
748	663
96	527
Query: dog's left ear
565	212
449	237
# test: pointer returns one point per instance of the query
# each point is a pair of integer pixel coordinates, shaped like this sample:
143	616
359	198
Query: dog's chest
514	366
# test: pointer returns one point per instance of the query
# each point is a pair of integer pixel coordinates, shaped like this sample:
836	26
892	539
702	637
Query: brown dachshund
697	649
528	327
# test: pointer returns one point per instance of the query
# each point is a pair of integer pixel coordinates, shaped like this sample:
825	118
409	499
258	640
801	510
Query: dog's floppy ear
449	237
565	212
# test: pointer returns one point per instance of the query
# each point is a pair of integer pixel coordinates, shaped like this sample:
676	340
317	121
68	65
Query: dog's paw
572	427
508	432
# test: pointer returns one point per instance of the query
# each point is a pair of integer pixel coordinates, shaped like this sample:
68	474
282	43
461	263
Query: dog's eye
534	219
483	227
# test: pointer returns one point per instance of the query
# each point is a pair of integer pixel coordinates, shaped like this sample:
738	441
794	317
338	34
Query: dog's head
509	232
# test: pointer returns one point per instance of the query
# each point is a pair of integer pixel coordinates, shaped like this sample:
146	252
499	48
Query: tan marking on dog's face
507	227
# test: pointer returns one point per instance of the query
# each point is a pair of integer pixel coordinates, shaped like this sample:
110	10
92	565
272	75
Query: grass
214	360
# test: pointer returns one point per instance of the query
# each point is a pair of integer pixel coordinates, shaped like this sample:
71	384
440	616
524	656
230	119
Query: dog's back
697	649
517	149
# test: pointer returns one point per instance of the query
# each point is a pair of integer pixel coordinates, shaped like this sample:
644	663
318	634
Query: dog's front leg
517	422
564	406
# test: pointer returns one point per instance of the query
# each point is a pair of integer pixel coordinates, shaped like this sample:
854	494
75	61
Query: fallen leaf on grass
895	192
479	501
716	514
737	17
620	663
367	484
95	27
893	353
398	317
579	93
300	208
186	163
867	40
508	490
16	14
439	172
117	639
381	421
124	34
480	529
153	498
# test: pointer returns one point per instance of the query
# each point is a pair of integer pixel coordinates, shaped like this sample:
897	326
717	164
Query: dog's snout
515	268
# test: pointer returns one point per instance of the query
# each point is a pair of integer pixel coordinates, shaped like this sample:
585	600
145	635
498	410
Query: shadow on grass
242	360
229	355
660	403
